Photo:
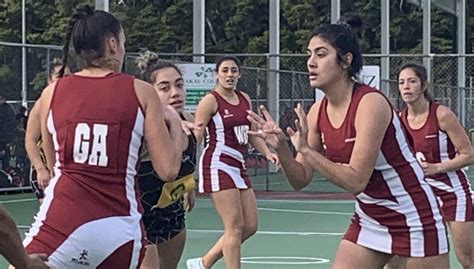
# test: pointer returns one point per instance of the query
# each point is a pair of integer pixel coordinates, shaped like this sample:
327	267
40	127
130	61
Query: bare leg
150	261
353	256
463	242
433	262
396	262
250	222
170	251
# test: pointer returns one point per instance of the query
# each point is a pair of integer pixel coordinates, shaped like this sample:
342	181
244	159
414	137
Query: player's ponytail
148	63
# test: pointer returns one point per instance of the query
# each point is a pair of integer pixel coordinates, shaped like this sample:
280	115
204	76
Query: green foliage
232	26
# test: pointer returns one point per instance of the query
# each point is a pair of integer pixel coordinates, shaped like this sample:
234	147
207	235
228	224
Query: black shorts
34	184
162	224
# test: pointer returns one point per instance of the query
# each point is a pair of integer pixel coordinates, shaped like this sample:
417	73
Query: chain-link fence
294	88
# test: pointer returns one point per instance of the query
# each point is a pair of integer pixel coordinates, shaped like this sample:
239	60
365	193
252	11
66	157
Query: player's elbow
471	156
358	186
299	184
298	187
167	173
169	176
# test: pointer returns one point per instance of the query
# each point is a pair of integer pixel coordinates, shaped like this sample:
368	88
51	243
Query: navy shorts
162	224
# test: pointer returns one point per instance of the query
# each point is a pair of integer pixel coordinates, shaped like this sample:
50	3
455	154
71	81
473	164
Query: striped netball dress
222	165
434	146
397	213
90	217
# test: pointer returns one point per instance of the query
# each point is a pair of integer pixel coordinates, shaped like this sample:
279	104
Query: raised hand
299	138
268	130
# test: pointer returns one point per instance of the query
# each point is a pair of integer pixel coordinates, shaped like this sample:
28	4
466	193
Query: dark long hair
342	37
87	30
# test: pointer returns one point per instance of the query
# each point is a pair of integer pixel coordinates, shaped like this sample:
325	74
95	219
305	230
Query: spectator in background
7	123
21	118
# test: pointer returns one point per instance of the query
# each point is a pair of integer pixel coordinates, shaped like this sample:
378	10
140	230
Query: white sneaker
195	263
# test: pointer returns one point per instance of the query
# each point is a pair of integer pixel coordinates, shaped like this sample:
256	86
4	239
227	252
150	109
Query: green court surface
292	233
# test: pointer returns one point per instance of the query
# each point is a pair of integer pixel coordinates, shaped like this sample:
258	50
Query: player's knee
250	230
235	229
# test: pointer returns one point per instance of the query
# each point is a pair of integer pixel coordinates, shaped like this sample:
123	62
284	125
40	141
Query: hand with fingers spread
268	130
299	139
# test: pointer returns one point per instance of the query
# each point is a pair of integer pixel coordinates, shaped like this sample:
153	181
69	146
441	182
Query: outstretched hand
299	138
188	126
267	128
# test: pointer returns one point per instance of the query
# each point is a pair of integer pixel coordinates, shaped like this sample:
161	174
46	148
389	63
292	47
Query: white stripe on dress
454	179
408	155
381	241
132	160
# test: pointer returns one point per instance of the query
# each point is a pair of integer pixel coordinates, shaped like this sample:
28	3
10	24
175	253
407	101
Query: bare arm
449	123
164	154
204	111
48	147
298	171
10	241
32	138
11	247
372	119
190	197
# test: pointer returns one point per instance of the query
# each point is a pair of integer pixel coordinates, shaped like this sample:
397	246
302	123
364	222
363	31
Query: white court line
222	231
273	183
307	201
18	201
281	260
258	200
267	232
305	211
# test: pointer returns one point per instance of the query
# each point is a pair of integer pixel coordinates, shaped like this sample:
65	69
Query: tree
232	26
